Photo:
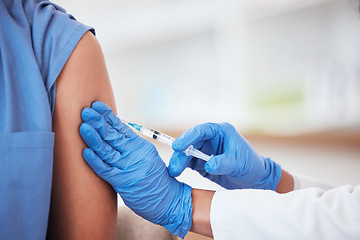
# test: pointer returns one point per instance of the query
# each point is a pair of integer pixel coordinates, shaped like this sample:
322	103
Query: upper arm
83	206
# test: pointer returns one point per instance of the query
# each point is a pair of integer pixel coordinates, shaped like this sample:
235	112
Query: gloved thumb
178	162
219	165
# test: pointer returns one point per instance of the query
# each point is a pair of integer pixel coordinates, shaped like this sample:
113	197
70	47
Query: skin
83	206
201	201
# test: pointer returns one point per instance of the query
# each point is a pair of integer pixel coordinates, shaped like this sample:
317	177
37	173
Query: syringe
161	137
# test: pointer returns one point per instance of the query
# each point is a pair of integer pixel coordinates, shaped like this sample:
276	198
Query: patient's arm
83	206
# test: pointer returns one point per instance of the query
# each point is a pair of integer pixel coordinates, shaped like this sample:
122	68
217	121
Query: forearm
201	201
286	183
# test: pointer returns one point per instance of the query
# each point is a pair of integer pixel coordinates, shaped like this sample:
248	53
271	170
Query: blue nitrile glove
134	168
235	165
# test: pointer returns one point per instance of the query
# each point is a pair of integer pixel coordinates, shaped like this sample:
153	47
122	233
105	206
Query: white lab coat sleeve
301	182
311	213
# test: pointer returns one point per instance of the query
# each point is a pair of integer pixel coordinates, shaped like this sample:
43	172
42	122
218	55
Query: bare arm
83	206
286	183
201	200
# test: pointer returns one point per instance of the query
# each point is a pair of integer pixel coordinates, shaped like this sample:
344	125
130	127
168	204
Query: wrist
268	176
178	220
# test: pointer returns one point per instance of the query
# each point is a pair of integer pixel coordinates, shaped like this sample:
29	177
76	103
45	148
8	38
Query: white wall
311	57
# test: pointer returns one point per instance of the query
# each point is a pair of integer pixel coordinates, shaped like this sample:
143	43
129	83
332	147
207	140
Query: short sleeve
36	39
55	34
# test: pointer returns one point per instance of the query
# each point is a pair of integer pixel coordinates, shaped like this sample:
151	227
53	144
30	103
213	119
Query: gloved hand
134	168
235	165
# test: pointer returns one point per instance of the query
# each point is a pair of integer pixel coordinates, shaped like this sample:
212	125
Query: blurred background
286	73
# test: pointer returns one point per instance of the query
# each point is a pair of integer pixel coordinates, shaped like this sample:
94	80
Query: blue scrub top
36	39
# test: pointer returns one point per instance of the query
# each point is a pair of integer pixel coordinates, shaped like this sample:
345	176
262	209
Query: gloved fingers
106	111
102	169
90	116
178	162
197	164
115	138
124	178
98	122
192	136
219	165
113	120
95	142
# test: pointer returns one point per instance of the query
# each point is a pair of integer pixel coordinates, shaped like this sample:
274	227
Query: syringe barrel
161	137
157	135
